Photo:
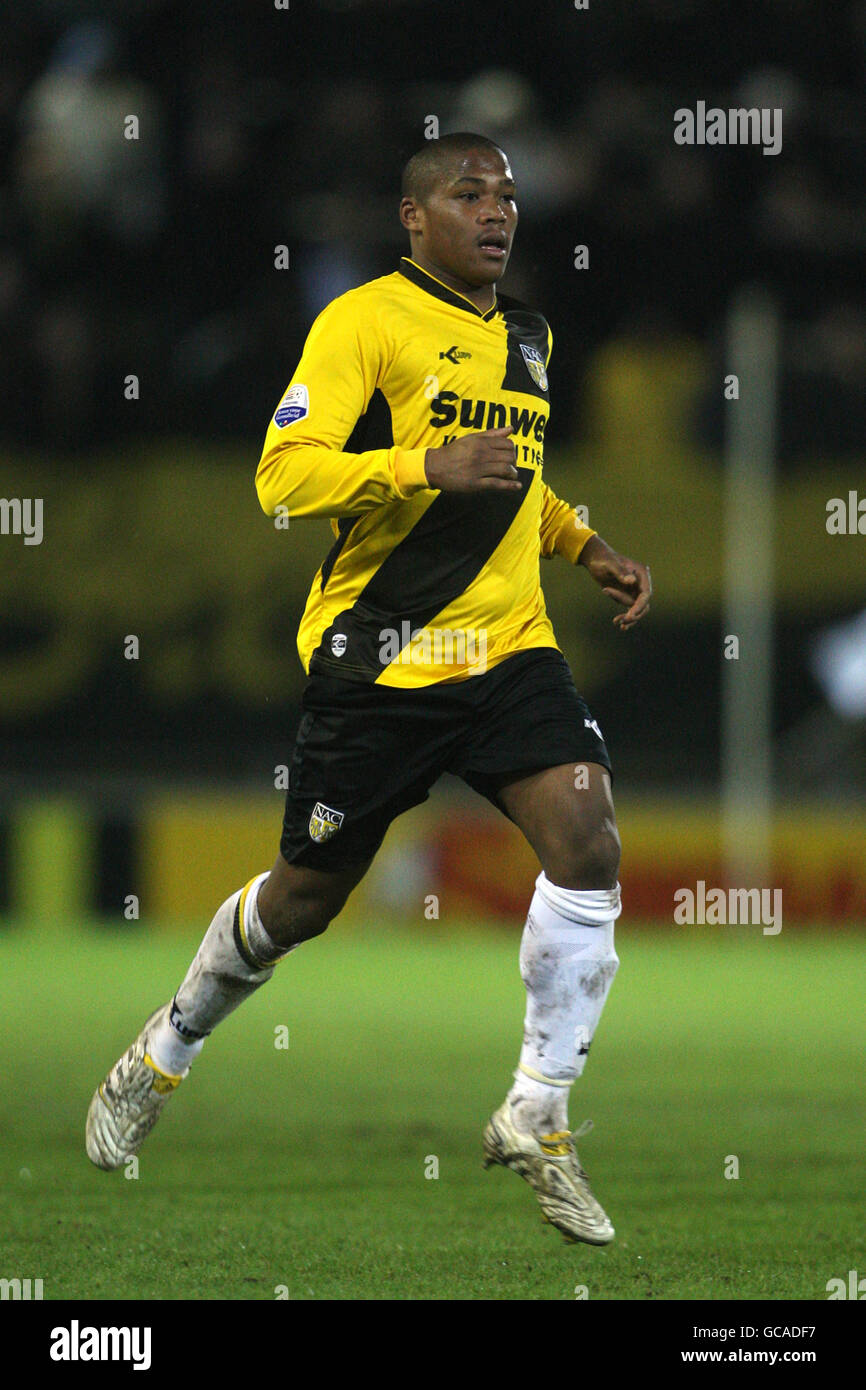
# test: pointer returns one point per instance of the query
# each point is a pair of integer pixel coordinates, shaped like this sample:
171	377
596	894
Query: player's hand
482	462
623	580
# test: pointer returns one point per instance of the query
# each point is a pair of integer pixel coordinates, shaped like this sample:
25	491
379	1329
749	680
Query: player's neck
482	296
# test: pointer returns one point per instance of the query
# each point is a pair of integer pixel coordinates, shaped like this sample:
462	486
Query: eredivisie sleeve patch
294	406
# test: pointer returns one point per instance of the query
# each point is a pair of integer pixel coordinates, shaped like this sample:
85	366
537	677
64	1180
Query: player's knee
297	903
292	917
587	860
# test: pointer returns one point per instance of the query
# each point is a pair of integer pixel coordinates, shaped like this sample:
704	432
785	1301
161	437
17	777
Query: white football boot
550	1165
128	1103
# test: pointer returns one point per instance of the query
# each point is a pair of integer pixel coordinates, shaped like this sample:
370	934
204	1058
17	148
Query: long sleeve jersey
420	585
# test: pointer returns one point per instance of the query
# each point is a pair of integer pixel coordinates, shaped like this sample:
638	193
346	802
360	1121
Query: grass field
305	1167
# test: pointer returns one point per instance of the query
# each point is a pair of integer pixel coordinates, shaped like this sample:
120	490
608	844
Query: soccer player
415	421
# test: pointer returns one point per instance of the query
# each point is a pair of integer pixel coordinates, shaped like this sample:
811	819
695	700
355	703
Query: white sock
261	945
234	959
567	963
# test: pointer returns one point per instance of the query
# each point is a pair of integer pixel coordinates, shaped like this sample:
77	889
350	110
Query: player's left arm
626	581
561	532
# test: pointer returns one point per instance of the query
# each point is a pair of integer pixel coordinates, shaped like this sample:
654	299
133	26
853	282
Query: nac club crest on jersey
535	366
294	406
324	823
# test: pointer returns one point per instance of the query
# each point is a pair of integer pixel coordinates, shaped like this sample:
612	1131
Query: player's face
466	225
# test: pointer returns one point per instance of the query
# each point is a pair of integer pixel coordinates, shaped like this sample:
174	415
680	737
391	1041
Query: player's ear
410	215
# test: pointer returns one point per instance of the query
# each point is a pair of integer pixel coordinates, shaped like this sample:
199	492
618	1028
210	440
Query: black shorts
366	753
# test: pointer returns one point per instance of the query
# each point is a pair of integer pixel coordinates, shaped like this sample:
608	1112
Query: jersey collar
425	281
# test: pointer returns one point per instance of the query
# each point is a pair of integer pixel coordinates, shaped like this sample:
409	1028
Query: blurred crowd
147	247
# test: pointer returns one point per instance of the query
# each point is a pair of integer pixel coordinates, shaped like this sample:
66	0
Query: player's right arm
304	466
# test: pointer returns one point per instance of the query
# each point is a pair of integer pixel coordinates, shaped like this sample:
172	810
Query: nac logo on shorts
324	822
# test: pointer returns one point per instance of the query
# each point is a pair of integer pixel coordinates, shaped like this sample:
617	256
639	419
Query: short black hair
423	171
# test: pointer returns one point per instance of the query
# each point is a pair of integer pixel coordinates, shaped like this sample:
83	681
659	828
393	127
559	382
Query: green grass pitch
300	1171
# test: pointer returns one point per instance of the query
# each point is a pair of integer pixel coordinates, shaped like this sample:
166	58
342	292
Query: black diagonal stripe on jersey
436	562
344	526
523	325
373	430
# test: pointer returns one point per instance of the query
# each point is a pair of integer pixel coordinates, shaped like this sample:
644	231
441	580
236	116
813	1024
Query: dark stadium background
262	127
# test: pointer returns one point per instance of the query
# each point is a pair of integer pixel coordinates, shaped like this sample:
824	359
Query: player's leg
567	955
567	962
362	756
567	815
538	755
296	902
249	934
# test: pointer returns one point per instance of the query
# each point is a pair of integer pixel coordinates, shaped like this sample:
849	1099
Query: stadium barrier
182	852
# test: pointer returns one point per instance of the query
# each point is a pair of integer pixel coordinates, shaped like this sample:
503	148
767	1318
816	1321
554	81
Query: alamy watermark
846	517
433	646
20	1290
739	125
716	907
855	1288
77	1343
22	516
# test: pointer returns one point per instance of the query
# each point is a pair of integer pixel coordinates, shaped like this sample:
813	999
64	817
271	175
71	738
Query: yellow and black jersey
420	585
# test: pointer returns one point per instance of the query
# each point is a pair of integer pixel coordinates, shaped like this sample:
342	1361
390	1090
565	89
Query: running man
415	422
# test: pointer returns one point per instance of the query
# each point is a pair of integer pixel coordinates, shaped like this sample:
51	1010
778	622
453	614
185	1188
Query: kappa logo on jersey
324	822
294	406
455	355
591	724
339	643
535	366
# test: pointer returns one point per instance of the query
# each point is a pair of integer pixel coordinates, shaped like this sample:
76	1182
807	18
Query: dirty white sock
567	963
234	959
